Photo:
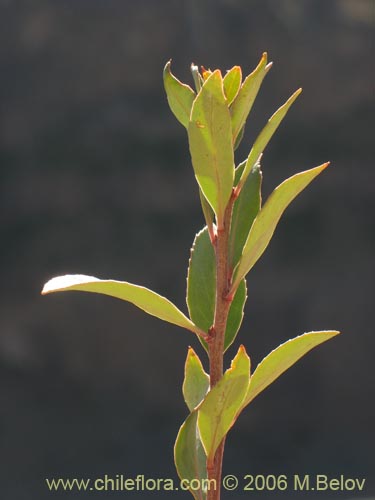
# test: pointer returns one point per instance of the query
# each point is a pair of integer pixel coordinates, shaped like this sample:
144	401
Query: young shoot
238	228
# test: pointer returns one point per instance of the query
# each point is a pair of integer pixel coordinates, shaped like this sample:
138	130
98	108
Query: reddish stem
216	341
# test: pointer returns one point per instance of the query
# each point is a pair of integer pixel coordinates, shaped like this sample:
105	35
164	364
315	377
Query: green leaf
189	455
232	83
217	412
282	358
266	221
201	281
235	315
180	96
145	299
239	138
244	101
201	290
205	73
245	209
196	381
210	144
208	213
197	77
264	137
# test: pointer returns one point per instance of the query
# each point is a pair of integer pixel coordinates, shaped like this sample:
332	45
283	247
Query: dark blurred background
96	179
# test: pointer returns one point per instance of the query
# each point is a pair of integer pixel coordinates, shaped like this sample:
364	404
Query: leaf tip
194	69
329	333
167	68
64	282
296	94
334	332
216	74
323	166
51	285
191	353
240	354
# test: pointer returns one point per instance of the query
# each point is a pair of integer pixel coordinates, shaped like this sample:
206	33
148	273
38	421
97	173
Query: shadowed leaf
208	213
201	290
201	281
245	209
239	138
189	455
235	315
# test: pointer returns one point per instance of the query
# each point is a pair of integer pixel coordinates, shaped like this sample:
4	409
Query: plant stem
216	341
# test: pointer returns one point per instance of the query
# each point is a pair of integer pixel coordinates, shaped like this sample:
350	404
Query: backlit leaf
232	83
282	358
142	297
266	221
180	96
205	73
245	98
196	380
217	412
211	144
264	137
